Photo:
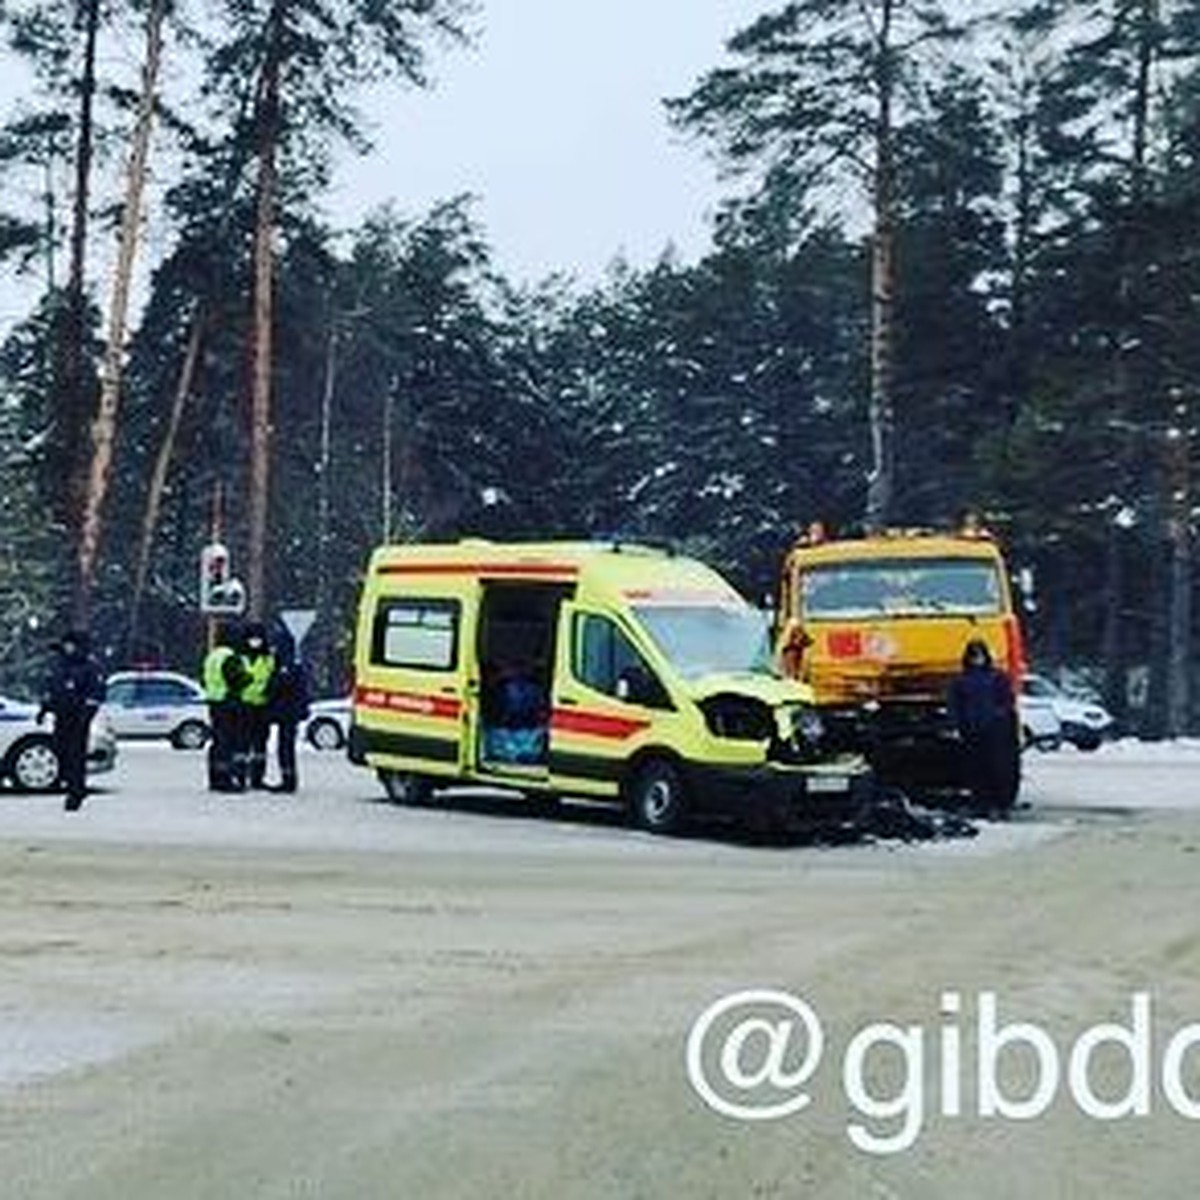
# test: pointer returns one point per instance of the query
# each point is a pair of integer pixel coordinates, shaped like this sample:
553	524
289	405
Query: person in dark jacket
289	695
984	711
73	693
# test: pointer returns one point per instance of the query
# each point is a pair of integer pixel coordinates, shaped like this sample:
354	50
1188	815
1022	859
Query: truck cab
876	626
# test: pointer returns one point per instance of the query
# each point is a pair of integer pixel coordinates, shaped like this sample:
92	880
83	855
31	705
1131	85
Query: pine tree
301	57
815	105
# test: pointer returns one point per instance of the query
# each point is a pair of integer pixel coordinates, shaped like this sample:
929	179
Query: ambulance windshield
704	640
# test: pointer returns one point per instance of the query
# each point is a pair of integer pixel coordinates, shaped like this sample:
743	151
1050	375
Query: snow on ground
1126	775
157	796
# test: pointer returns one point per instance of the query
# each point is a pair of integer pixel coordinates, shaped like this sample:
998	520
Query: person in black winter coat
74	691
984	711
288	698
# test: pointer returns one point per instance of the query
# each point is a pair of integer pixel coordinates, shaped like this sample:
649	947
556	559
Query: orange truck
876	627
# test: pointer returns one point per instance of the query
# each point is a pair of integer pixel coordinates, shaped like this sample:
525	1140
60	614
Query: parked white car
27	758
158	704
1085	723
328	724
1040	726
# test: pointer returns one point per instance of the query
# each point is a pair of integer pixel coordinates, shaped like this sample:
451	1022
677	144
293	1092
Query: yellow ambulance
605	670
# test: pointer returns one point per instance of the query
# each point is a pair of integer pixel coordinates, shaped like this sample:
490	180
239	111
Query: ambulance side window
416	633
605	659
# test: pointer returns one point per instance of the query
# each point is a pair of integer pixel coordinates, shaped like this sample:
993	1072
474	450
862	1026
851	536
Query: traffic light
220	594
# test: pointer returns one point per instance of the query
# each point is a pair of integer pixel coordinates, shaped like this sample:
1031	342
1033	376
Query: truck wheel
657	799
403	787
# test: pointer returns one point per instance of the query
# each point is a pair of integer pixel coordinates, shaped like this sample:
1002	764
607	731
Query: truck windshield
901	587
701	640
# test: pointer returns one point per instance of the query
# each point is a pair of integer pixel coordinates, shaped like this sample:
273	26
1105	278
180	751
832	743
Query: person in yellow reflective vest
224	677
259	663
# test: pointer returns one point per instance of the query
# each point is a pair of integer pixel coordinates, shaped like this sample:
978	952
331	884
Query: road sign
298	621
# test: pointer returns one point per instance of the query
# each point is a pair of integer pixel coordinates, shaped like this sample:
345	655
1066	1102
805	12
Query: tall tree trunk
105	426
1133	381
881	414
50	202
74	400
1179	620
323	475
158	478
1020	341
1112	650
260	402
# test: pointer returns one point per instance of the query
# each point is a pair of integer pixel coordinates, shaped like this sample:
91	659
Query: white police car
28	762
328	723
157	704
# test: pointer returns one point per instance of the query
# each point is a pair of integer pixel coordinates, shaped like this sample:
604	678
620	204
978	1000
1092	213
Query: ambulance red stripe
594	724
413	703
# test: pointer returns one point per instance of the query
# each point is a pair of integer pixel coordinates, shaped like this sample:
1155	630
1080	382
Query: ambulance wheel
403	787
656	797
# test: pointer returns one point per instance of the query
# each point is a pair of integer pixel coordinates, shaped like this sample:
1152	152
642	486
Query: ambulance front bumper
826	797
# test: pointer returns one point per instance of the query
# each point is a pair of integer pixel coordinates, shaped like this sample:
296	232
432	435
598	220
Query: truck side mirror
1024	579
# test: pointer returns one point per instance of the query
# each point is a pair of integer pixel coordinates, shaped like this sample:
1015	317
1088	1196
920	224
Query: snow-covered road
322	995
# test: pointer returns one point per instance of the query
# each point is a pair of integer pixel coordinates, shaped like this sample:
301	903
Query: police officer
288	698
74	691
224	677
259	664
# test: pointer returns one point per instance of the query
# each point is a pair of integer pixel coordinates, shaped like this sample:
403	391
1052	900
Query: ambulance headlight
808	727
801	727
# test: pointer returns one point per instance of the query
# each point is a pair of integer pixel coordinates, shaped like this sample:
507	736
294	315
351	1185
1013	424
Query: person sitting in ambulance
516	730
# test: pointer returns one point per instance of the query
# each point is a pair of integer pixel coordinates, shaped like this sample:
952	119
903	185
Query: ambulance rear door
414	700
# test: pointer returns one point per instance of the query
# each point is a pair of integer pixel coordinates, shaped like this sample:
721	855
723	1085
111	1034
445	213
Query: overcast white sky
555	121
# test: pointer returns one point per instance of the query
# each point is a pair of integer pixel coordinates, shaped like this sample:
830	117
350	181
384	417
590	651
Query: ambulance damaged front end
787	777
767	761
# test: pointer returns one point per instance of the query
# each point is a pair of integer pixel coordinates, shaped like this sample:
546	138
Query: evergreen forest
956	269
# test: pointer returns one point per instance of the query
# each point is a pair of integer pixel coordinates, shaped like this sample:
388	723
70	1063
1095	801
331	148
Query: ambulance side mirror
637	686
